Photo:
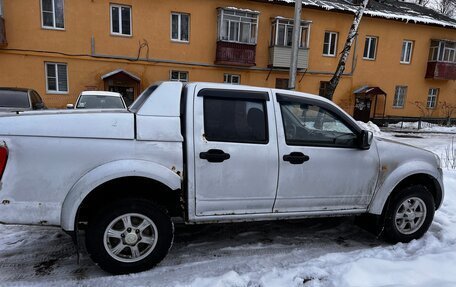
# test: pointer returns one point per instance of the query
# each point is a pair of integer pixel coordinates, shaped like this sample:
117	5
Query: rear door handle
214	155
296	158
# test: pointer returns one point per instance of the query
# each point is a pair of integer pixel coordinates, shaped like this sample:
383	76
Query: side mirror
70	106
365	139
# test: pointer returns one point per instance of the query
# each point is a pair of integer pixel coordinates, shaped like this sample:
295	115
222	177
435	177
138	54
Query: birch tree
346	51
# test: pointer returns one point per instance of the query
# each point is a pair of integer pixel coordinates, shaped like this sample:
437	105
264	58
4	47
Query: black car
20	99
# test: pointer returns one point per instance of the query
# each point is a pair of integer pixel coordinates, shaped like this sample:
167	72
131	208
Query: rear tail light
3	157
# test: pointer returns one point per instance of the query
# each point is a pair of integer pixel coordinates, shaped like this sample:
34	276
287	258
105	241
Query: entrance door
320	166
236	164
128	93
362	109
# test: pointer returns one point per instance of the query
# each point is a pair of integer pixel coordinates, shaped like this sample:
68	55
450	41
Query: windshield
99	102
14	99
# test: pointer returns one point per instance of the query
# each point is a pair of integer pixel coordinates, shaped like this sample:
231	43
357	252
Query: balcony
235	54
441	71
3	41
280	57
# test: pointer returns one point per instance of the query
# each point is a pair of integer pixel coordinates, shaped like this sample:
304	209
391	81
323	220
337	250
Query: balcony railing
3	41
441	71
235	54
280	57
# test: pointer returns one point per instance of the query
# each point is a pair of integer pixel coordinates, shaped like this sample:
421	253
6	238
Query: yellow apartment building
403	62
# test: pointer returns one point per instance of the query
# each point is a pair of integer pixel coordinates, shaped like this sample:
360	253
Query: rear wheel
129	236
409	215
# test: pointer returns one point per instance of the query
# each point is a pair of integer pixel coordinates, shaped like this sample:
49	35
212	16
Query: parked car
208	153
99	100
19	99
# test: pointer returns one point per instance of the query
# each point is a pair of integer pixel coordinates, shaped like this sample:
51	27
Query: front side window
180	76
432	98
406	55
312	125
180	27
235	120
56	78
330	44
120	20
370	48
232	79
399	96
237	26
282	33
52	15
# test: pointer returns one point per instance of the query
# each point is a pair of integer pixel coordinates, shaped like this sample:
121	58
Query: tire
128	236
409	214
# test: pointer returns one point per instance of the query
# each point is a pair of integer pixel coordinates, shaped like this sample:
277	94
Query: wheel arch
95	184
390	187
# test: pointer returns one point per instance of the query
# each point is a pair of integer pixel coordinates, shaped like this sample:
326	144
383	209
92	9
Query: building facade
403	62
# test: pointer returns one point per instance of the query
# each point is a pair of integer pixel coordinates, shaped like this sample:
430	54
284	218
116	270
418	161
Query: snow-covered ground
320	252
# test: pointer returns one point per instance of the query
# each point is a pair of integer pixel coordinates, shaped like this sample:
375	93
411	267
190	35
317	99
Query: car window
99	102
36	100
235	120
307	124
14	99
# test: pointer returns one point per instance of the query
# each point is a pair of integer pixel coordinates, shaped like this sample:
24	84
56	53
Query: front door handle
214	155
296	158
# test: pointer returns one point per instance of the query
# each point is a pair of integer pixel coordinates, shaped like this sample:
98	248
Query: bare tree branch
346	50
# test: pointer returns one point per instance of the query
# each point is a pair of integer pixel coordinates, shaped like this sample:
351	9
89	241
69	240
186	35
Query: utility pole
295	45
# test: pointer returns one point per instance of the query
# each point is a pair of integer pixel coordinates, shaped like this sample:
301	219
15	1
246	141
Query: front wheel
129	236
409	214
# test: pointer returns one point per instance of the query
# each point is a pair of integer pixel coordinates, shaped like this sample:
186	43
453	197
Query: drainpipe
295	45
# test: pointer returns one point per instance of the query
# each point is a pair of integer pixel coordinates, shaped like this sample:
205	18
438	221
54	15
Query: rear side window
235	120
14	99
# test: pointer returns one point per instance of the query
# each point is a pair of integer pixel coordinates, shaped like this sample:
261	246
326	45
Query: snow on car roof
101	93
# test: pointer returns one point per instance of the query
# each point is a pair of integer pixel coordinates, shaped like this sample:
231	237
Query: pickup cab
207	153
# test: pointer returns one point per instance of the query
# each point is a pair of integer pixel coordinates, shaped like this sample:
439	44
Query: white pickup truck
207	153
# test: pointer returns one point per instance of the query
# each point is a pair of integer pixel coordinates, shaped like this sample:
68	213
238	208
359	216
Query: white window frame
332	35
57	91
437	51
228	79
369	48
179	32
180	78
53	27
289	23
224	13
400	92
433	94
120	20
407	52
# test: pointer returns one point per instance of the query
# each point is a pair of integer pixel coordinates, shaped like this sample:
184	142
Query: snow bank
425	126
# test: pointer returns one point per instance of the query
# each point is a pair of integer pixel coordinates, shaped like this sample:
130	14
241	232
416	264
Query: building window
406	55
52	14
237	26
180	27
330	44
56	78
323	91
282	33
120	20
232	79
399	97
180	76
432	98
370	48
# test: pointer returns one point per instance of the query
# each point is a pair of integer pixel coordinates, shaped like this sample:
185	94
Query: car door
235	142
321	166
